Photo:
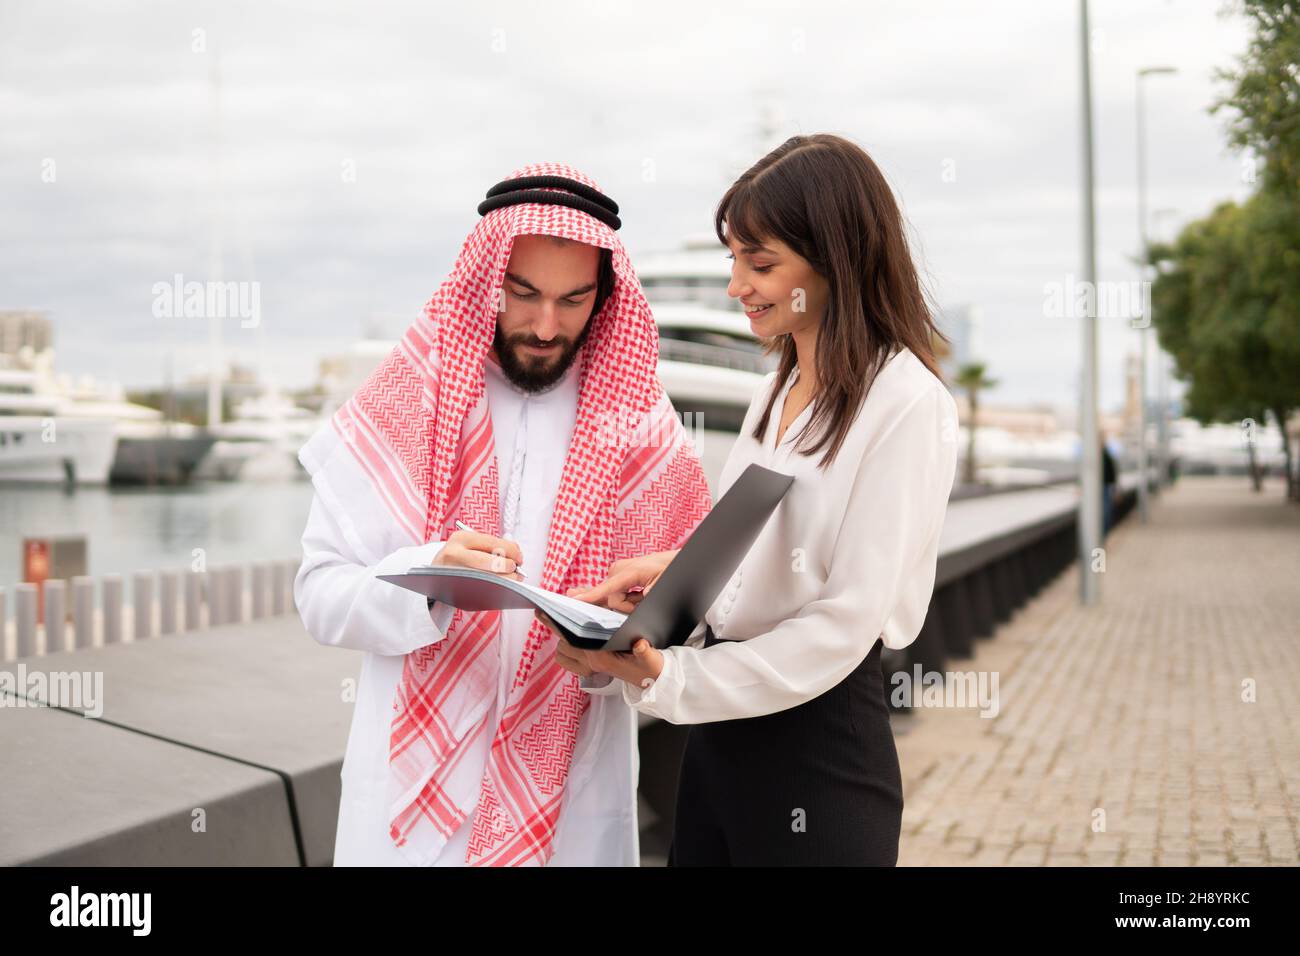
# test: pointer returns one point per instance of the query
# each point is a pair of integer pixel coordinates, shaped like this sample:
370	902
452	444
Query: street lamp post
1145	331
1090	452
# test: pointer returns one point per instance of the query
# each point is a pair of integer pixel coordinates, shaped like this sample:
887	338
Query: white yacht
57	429
261	441
698	272
41	442
710	363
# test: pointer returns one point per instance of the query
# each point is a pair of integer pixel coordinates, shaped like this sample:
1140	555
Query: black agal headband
542	189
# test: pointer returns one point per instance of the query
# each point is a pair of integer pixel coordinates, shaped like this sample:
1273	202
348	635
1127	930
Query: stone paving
1160	727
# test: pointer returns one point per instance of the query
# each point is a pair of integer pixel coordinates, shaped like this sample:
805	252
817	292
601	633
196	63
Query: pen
464	527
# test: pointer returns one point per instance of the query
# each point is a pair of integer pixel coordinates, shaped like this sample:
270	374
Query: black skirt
815	785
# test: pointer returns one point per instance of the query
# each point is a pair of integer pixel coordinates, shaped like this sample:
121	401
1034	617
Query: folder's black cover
690	584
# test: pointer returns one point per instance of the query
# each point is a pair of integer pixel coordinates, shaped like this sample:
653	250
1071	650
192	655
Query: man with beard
523	405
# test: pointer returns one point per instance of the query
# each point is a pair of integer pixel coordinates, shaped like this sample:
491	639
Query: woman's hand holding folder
640	666
627	583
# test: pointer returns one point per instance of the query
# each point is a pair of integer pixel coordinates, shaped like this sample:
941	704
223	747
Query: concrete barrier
81	792
260	696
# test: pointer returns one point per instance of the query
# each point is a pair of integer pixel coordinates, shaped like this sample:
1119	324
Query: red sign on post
36	570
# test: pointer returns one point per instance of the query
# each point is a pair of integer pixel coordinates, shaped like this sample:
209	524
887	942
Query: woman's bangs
740	217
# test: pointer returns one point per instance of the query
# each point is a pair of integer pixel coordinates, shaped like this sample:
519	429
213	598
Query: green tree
973	379
1226	304
1263	104
1226	298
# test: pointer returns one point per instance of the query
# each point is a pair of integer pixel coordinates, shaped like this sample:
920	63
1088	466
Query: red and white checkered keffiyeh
420	432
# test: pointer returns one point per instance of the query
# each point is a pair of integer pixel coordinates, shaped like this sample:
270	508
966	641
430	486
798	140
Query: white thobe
342	604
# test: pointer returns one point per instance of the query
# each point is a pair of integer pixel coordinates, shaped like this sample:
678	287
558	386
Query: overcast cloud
660	102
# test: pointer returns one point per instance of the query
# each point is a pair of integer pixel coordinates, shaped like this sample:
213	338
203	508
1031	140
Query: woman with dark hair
790	758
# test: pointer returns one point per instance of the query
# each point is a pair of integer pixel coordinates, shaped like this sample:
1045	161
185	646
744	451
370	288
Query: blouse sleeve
887	544
342	604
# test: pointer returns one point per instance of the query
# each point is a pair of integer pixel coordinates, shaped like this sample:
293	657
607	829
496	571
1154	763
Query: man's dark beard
534	373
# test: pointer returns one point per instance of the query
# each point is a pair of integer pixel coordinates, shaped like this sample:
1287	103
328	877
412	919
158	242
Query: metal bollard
215	579
25	619
277	588
56	617
260	574
83	612
290	572
169	588
112	609
194	599
142	605
235	594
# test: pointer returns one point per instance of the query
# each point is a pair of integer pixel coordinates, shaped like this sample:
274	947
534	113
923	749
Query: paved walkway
1124	736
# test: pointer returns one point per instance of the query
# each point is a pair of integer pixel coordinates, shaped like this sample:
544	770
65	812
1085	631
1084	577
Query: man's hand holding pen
483	552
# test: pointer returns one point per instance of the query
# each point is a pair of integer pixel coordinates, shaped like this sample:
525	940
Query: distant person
1108	480
497	409
790	758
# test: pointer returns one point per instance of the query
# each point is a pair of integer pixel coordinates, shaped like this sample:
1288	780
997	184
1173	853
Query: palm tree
972	378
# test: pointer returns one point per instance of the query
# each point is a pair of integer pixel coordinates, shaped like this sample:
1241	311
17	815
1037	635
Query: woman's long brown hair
826	199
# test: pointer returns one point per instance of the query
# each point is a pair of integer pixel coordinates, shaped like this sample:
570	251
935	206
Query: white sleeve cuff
441	614
660	698
430	625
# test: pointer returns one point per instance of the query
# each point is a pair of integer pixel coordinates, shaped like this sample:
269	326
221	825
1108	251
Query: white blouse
848	556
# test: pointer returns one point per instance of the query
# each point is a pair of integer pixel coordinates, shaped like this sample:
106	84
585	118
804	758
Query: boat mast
214	250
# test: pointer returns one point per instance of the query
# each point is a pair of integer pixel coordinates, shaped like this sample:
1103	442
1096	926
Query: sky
357	139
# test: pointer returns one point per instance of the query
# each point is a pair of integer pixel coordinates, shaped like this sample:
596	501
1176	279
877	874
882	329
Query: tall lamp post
1145	331
1090	452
